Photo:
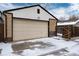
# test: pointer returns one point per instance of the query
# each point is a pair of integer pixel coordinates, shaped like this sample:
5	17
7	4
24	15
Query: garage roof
30	7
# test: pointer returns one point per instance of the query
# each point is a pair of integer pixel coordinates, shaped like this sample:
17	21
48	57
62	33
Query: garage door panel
28	29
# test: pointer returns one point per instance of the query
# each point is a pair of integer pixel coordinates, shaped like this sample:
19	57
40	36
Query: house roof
30	7
67	23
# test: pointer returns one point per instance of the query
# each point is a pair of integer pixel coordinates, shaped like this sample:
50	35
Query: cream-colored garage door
28	29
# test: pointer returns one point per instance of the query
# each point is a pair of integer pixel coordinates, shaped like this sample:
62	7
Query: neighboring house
61	24
68	29
28	23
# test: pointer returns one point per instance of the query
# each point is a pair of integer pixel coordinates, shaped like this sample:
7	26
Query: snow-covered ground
41	47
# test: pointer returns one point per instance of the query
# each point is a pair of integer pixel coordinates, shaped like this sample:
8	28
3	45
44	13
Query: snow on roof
67	23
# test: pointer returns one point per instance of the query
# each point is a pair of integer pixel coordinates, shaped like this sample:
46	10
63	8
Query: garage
29	29
30	22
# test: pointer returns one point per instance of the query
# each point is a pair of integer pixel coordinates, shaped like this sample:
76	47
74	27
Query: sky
57	9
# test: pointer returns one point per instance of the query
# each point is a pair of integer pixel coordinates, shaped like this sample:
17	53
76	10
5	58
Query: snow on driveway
39	47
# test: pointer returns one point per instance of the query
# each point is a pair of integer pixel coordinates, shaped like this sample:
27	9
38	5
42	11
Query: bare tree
70	18
73	18
62	19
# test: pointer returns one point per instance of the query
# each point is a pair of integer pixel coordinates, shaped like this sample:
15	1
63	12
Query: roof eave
30	7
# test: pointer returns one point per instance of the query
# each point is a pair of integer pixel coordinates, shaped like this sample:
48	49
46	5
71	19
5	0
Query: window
38	11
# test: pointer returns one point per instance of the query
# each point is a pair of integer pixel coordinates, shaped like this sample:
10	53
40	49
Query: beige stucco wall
28	29
52	25
9	25
31	13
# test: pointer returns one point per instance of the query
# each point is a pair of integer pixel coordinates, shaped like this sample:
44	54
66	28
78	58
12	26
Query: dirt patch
57	52
0	51
29	45
60	52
